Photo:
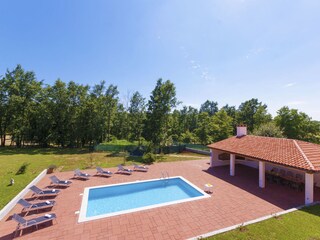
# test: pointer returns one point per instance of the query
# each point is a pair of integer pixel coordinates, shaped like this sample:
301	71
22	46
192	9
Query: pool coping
84	202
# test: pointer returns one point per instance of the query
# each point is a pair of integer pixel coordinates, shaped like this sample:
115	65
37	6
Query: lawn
11	159
302	224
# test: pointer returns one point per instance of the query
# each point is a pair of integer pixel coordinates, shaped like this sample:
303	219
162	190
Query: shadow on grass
44	151
314	210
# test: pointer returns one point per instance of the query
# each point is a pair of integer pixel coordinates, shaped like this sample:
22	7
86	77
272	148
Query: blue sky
226	51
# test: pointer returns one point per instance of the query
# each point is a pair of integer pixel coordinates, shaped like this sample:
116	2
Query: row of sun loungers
29	206
106	173
54	181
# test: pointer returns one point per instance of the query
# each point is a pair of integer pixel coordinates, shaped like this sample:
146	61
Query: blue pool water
111	199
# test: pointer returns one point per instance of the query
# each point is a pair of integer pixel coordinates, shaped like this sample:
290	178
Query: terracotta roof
288	152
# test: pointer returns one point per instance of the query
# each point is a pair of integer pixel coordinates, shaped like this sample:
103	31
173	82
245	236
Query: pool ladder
164	175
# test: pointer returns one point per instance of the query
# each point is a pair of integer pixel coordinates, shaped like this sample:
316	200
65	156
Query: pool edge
84	202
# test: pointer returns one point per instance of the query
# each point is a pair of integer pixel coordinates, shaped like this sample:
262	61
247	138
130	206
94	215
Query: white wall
216	161
4	211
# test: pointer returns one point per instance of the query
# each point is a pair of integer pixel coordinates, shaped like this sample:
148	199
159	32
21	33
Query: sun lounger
123	170
44	193
81	175
57	182
23	223
102	172
140	168
27	206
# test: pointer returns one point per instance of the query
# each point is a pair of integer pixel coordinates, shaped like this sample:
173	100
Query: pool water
123	198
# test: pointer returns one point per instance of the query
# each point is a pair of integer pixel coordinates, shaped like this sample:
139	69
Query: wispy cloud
289	84
196	67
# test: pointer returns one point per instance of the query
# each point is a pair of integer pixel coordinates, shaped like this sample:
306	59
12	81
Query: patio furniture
44	193
27	206
296	185
102	172
282	174
275	176
57	182
123	170
23	223
81	175
140	168
269	177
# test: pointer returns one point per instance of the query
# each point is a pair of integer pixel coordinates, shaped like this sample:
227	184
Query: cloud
196	68
205	75
289	84
296	103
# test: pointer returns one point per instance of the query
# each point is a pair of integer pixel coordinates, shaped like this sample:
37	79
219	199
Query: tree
231	112
189	137
204	128
297	125
120	127
111	102
269	129
136	116
19	90
162	100
222	125
188	119
261	116
247	111
210	107
59	111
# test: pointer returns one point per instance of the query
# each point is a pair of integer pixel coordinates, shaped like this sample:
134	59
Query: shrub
23	168
148	158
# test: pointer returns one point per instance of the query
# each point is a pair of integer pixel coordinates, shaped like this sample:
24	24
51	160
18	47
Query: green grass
11	159
302	224
116	145
198	146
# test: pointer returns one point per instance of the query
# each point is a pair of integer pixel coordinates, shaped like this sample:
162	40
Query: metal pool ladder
165	175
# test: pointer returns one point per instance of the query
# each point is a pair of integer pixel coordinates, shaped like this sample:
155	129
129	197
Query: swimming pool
104	201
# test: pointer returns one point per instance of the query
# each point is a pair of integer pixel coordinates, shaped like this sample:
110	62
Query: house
266	153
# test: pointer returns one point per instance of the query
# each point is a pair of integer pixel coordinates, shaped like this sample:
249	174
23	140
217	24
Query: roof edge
264	160
303	155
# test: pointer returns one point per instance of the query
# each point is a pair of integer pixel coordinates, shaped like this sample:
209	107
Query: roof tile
288	152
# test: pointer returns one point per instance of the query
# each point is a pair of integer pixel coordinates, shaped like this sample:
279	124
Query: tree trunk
3	140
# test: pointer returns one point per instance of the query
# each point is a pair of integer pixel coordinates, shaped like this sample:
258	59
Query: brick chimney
241	130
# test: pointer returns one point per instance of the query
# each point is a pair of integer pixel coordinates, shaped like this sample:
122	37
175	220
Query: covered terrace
296	157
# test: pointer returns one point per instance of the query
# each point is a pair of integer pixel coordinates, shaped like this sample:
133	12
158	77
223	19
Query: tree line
75	115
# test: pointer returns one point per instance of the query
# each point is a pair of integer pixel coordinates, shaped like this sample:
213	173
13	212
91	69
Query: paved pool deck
234	200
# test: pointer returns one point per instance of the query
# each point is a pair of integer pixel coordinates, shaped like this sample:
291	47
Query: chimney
241	130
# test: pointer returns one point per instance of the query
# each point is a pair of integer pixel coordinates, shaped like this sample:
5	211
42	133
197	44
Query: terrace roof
287	152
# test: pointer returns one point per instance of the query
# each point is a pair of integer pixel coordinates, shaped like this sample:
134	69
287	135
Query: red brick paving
234	200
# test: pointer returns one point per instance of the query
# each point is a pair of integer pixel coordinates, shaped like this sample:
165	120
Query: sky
227	51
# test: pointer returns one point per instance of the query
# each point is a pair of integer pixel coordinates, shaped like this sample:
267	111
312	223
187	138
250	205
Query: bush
23	168
148	158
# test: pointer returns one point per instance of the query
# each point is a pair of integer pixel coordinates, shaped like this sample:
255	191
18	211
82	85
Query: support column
232	164
308	188
211	158
262	174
